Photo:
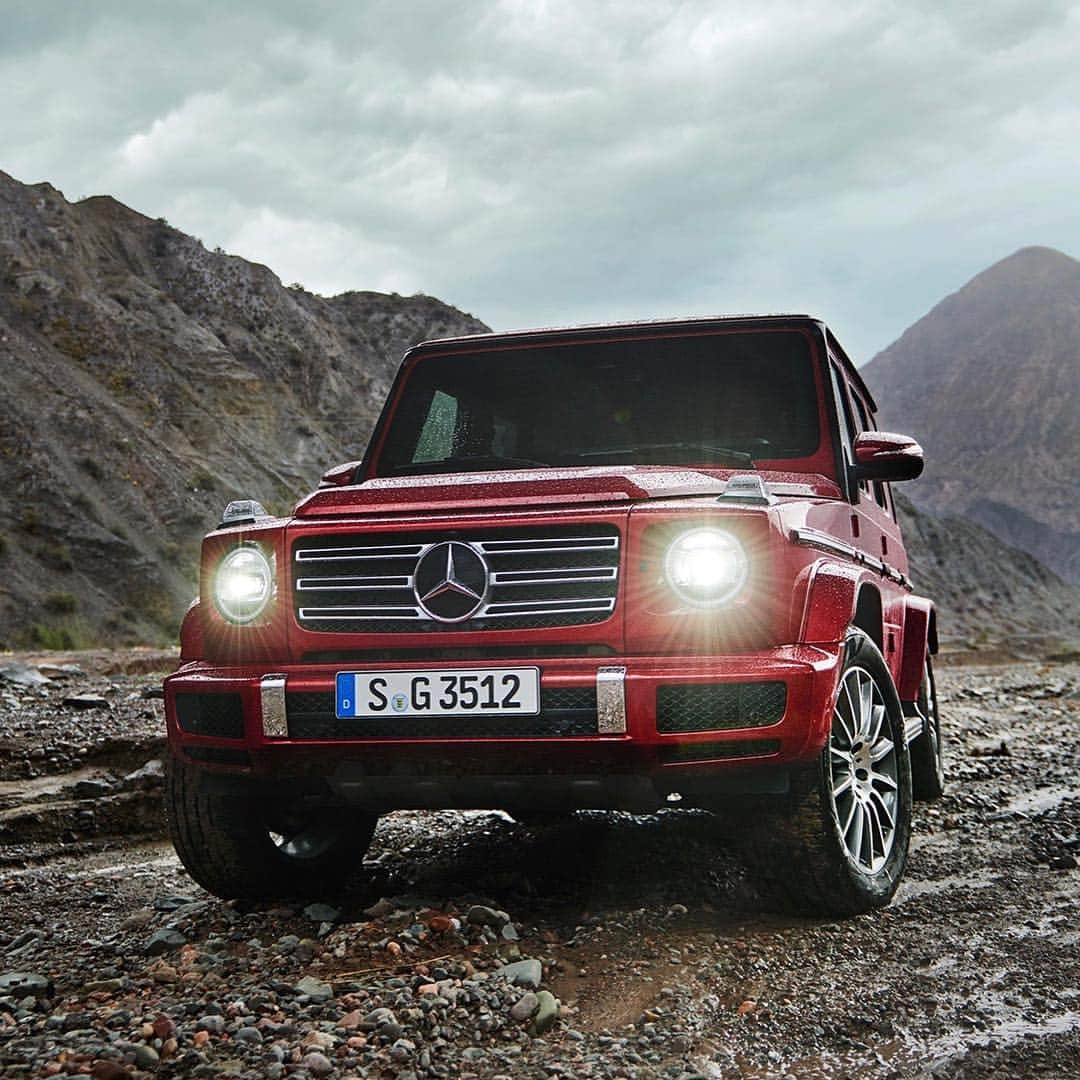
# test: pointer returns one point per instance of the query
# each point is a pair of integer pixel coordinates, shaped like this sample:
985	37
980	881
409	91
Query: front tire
239	842
838	845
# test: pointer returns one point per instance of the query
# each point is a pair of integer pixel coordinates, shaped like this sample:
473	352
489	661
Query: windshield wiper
737	457
468	463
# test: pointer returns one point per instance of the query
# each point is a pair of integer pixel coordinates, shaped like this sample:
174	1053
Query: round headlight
706	567
243	584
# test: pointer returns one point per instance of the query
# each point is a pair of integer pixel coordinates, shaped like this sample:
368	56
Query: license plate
460	692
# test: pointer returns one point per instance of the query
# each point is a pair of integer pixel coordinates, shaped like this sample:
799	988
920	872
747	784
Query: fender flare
920	638
191	636
831	597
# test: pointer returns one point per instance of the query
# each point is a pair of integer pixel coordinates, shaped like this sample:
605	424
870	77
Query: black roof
570	334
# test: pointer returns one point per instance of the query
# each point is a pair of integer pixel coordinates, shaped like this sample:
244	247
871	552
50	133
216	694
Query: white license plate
457	692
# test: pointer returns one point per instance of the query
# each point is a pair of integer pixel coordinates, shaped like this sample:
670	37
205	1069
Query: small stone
316	1063
172	901
86	701
379	909
138	919
91	789
146	1057
148	775
163	1027
249	1035
215	1025
22	675
525	1007
20	984
163	941
479	915
748	1006
322	913
314	989
509	933
108	1070
1063	862
527	973
547	1012
439	924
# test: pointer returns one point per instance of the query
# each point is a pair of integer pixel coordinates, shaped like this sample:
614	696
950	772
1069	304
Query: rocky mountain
145	381
989	382
984	590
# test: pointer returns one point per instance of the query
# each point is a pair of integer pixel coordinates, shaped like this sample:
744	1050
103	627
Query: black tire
927	759
239	843
796	847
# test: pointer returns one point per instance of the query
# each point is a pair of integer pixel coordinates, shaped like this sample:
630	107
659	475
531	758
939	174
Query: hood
542	487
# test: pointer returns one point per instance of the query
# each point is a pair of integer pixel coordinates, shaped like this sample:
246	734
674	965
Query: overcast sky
538	163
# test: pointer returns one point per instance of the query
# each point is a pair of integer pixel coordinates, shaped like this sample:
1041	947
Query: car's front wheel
240	841
838	845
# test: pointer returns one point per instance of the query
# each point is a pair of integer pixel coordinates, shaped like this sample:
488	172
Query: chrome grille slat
370	612
381	551
382	581
548	577
535	579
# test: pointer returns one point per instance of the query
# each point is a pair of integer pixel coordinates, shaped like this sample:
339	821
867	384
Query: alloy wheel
863	771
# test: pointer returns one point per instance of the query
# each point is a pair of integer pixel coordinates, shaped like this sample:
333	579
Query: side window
437	436
866	423
847	424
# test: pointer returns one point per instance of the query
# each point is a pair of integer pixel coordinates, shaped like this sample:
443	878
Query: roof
590	331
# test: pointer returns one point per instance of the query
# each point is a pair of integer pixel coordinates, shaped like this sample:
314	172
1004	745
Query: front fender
831	596
191	639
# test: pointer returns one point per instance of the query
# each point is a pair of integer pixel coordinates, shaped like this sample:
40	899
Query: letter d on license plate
460	692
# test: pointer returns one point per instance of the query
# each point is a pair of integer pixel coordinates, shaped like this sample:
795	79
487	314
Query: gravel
640	951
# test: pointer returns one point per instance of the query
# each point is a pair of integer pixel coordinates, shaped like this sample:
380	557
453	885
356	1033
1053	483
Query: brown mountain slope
146	380
983	588
989	381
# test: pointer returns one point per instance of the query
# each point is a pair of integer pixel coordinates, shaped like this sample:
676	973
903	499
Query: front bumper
624	732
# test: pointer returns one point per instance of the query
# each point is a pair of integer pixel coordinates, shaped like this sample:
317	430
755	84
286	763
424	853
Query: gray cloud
538	163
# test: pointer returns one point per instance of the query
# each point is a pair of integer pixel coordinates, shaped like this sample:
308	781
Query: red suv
608	567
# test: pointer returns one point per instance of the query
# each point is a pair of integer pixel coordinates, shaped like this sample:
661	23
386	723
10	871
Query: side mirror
881	455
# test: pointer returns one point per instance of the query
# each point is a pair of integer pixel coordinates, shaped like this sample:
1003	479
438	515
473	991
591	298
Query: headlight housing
243	584
706	567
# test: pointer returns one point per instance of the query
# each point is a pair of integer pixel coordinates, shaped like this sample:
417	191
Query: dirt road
646	930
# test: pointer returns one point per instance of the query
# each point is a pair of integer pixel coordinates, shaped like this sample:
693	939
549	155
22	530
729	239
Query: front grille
719	706
364	583
564	710
220	715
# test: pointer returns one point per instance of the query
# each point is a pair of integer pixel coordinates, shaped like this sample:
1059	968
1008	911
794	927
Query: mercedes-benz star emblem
451	581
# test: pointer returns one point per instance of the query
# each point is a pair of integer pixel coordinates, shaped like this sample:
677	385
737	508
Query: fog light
243	584
706	567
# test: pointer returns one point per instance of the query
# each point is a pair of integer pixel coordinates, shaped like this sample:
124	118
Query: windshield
722	399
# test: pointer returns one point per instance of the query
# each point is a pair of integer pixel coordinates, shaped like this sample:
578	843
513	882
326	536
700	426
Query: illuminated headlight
243	584
706	567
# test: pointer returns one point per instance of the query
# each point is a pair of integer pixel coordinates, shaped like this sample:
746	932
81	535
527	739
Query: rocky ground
607	946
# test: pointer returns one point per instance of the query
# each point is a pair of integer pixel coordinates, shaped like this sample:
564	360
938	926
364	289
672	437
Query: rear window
723	399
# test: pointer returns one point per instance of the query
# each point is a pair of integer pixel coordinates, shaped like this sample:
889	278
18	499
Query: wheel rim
863	771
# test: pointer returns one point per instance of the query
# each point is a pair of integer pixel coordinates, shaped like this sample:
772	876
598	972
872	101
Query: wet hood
544	487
